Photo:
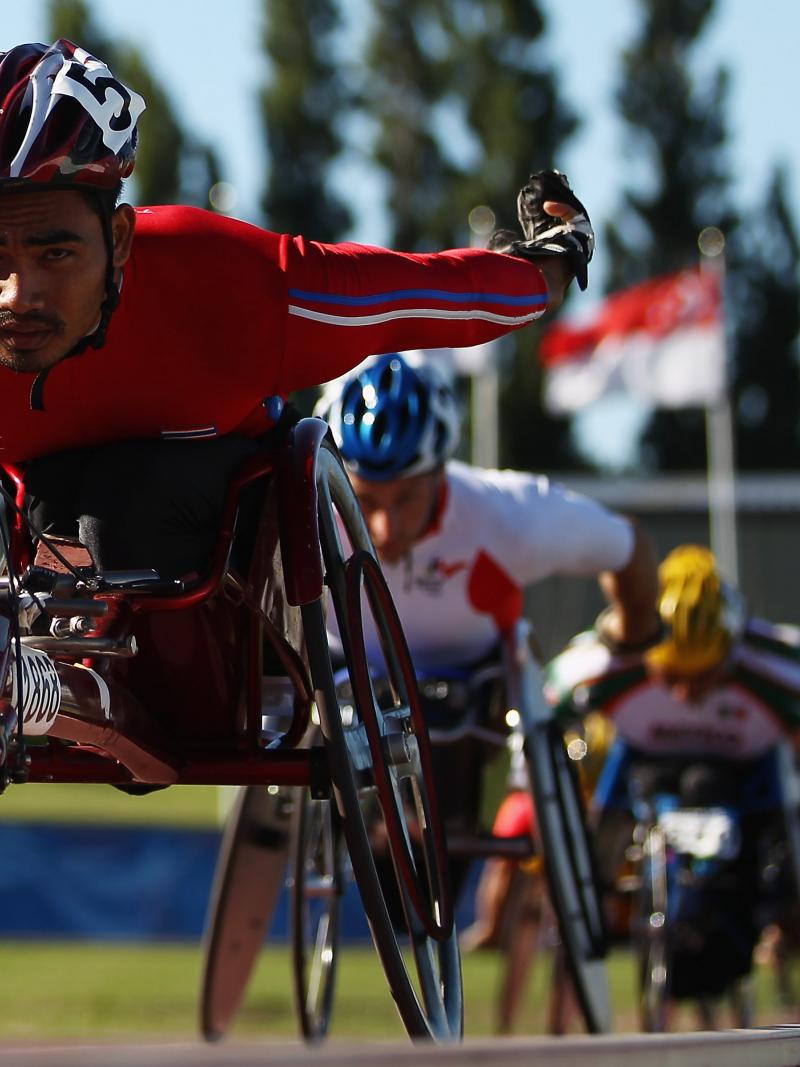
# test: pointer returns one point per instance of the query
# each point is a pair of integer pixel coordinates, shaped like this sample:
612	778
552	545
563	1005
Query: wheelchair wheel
563	836
652	934
570	869
249	877
317	887
380	768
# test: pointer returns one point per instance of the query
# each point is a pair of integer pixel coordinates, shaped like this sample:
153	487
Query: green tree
465	106
676	137
676	134
518	117
301	107
677	128
172	166
765	294
408	73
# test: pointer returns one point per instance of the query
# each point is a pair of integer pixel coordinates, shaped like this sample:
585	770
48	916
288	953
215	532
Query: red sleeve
348	301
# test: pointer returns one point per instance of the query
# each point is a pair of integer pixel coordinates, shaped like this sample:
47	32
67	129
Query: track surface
768	1047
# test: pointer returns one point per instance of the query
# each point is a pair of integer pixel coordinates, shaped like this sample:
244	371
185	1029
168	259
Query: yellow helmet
698	612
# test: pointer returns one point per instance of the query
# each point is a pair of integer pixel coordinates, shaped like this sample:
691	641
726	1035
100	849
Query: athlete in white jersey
459	544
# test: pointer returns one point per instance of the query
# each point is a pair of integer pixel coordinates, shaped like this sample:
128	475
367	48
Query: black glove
549	235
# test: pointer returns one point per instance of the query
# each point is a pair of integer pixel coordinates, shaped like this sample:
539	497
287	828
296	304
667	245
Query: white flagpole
721	469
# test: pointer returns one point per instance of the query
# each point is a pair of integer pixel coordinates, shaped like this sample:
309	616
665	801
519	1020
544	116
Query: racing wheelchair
467	713
712	850
125	679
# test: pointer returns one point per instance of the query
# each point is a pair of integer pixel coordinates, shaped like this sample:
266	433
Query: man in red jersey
144	352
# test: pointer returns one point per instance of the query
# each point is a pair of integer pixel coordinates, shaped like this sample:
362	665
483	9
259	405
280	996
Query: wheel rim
430	1003
569	871
581	858
317	891
400	736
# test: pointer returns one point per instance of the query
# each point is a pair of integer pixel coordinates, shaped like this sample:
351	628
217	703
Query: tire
378	762
317	886
564	839
249	877
570	871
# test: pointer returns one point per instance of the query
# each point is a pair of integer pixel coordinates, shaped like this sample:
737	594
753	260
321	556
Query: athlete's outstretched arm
632	619
346	302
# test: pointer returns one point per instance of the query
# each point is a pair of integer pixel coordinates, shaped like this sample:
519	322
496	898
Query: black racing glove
549	235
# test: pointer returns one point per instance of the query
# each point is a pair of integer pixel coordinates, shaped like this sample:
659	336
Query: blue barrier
127	883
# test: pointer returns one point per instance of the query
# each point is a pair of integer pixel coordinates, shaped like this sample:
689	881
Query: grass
102	992
185	805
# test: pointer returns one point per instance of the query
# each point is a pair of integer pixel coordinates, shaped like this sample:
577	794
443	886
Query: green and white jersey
753	706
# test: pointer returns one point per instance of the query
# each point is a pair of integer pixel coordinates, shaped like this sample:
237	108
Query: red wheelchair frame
162	686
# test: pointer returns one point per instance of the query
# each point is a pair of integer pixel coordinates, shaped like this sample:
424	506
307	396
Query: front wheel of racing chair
248	880
380	762
563	836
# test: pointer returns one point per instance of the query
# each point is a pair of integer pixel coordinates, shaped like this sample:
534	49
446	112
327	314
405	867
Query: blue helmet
391	419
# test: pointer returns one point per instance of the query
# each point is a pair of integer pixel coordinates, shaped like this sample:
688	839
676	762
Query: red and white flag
661	342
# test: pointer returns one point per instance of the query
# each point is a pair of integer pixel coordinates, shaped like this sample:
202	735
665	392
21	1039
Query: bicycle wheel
249	876
317	887
564	839
652	934
378	763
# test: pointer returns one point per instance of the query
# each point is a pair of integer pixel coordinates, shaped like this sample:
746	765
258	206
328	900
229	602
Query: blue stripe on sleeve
529	300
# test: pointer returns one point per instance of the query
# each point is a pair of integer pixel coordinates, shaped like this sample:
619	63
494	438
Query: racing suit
218	321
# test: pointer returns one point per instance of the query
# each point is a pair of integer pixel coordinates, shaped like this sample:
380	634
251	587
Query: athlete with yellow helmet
719	683
702	717
701	615
719	689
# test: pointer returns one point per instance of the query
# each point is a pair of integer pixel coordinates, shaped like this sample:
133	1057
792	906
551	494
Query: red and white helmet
64	119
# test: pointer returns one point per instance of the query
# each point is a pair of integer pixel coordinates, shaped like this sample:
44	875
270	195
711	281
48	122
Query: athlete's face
399	511
52	273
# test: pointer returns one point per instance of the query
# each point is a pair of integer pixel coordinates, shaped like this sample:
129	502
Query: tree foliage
465	106
675	144
677	137
408	75
302	104
765	293
172	166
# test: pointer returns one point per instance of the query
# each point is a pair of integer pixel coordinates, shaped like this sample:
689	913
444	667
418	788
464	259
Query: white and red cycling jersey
754	705
495	532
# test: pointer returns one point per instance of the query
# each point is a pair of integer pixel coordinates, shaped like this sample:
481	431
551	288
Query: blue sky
209	57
